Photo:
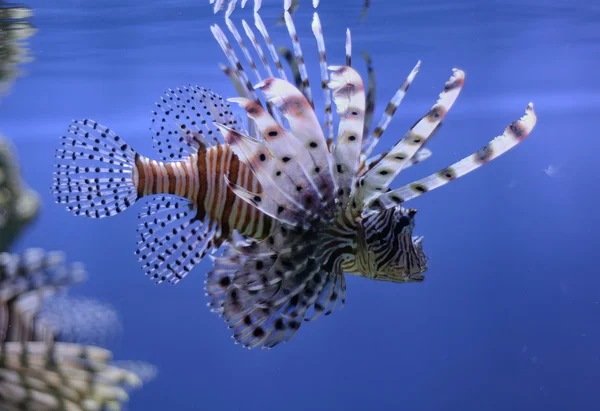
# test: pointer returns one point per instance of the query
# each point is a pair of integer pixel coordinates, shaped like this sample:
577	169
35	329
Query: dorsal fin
294	160
305	127
318	33
183	122
370	143
349	98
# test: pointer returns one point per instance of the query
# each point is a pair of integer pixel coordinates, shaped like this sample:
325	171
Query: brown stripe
156	174
172	179
232	175
188	178
202	183
243	218
267	226
216	180
141	175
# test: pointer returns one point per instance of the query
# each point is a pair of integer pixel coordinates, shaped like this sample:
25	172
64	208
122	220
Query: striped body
200	179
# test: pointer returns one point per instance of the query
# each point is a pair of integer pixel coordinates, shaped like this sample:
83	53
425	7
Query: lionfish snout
394	254
411	261
416	272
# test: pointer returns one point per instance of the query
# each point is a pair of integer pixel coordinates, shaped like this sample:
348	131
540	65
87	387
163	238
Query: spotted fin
262	202
172	239
513	135
377	180
349	99
304	126
265	299
292	157
279	197
182	123
331	296
94	173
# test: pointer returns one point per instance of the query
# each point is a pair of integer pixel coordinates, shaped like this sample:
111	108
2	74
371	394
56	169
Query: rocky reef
41	367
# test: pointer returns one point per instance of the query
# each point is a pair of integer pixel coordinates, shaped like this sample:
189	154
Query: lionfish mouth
421	258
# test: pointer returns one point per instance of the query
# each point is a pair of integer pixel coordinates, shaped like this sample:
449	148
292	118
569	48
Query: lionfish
297	209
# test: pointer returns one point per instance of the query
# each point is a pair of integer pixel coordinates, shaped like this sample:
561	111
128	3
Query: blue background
508	317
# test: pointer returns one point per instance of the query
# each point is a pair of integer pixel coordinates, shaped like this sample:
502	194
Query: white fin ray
350	102
257	47
233	60
272	51
236	35
250	61
304	126
255	153
318	33
371	93
377	180
289	22
292	156
423	154
515	133
348	48
370	143
268	206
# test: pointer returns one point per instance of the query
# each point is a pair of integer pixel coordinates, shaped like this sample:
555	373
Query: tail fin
95	172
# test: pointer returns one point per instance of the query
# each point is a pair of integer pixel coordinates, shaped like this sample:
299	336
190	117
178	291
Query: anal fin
172	238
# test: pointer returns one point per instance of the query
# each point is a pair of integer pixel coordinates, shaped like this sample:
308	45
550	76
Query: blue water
508	316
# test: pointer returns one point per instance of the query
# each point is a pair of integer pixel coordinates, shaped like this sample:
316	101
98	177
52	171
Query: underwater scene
299	205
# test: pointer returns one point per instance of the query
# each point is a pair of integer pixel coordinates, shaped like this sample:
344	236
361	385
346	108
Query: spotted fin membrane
38	369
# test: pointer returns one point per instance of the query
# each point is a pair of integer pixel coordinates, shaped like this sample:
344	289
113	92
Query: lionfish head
388	250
